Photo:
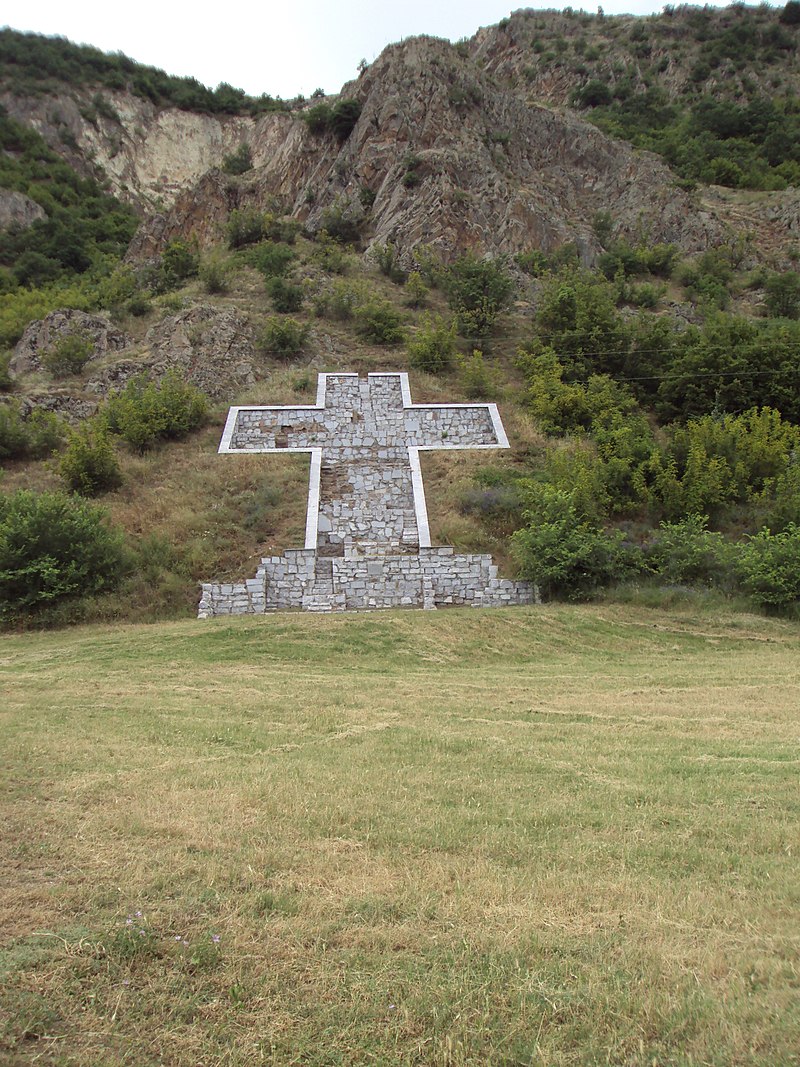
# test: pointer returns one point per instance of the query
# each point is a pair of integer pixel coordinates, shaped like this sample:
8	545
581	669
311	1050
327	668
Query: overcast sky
281	48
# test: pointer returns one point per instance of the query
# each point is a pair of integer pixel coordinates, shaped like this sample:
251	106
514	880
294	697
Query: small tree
89	464
286	295
144	413
769	567
477	291
68	355
433	347
379	323
284	337
783	295
245	227
54	547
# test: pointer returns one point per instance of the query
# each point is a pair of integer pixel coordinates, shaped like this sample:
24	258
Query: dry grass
552	836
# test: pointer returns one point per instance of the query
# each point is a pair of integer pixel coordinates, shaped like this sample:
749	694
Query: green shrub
54	547
344	116
245	227
476	381
340	300
144	413
89	463
68	355
215	275
284	337
281	229
179	262
340	223
477	291
768	567
239	161
138	305
286	296
6	381
14	438
567	557
416	291
338	119
783	295
688	553
46	433
330	255
385	256
270	259
379	323
35	437
433	347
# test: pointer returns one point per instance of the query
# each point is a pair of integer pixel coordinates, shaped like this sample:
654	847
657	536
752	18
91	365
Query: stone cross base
304	580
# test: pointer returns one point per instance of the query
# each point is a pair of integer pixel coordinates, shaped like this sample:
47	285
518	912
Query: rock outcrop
18	211
40	335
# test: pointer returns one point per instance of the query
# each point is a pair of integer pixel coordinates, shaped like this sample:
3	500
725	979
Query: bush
270	259
214	274
688	553
385	256
179	262
144	413
89	464
477	291
6	381
68	355
245	227
340	300
46	432
783	295
476	381
379	323
768	567
33	438
416	291
286	296
341	223
433	346
239	161
330	255
338	120
284	337
567	557
54	547
13	432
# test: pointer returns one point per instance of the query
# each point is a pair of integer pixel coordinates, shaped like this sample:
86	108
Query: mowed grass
557	835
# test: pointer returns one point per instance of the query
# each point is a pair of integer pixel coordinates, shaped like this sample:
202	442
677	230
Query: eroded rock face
441	155
40	335
213	348
18	211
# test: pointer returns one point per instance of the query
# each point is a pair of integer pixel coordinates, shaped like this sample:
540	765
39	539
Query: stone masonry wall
435	577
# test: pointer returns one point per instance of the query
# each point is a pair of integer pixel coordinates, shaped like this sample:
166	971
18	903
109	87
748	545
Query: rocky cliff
472	146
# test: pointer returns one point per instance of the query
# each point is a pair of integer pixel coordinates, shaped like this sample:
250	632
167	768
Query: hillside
560	834
506	217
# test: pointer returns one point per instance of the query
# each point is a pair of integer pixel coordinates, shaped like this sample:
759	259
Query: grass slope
536	836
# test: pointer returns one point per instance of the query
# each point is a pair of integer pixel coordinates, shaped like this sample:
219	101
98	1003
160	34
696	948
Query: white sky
282	48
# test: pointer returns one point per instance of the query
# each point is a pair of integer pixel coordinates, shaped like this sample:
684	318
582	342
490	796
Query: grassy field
535	836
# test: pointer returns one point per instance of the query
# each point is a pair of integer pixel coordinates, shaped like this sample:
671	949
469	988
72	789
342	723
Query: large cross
365	492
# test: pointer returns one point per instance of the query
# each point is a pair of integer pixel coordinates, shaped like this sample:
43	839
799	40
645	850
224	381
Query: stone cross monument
367	538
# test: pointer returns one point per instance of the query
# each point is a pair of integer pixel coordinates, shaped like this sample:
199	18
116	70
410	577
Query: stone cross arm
371	434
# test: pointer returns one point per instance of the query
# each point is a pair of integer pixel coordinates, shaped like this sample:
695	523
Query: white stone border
312	508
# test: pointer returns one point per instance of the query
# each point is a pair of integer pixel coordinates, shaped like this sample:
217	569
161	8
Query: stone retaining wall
300	579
